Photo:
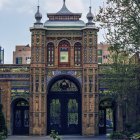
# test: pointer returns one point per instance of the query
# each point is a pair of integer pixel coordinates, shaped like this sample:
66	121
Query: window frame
63	45
50	54
77	56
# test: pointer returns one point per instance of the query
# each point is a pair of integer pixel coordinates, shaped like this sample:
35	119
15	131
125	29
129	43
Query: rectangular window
50	54
18	60
64	55
99	60
28	60
37	87
42	87
99	52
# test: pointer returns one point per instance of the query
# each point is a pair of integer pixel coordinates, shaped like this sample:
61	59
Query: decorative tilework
90	55
76	74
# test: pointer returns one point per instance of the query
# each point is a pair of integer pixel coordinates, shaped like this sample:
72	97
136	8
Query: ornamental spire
64	9
90	17
38	15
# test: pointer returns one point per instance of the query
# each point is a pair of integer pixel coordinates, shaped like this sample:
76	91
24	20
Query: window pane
77	54
64	55
50	53
19	60
99	52
100	60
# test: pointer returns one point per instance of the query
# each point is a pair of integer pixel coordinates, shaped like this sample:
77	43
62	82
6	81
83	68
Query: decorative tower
37	78
64	48
90	82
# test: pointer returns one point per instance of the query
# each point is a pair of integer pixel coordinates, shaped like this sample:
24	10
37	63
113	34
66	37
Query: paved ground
63	138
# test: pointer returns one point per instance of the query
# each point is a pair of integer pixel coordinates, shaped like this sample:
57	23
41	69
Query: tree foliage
120	77
121	19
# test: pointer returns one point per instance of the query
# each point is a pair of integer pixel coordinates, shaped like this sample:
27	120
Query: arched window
77	54
50	54
64	53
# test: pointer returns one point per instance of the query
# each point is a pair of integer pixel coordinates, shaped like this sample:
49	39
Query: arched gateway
20	115
64	49
64	105
62	45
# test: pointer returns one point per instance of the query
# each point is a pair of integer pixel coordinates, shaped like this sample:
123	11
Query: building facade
1	55
103	53
59	89
22	54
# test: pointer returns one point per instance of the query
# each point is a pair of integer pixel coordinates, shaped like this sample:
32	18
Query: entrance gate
21	117
64	107
107	103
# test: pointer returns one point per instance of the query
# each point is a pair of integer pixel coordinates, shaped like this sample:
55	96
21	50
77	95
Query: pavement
62	138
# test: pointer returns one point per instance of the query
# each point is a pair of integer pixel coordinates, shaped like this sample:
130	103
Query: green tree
121	78
121	19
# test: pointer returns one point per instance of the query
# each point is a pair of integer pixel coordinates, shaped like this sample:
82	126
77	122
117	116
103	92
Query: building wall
22	51
43	68
103	54
6	99
86	72
22	54
90	83
41	73
14	84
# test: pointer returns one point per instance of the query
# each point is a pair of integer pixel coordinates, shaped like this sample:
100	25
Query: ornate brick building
59	89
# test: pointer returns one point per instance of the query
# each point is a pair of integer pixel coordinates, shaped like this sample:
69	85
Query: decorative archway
64	105
20	117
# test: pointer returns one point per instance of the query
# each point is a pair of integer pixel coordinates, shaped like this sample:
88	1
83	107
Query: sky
17	16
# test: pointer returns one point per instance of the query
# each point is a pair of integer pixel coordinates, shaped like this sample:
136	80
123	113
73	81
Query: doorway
64	107
20	117
107	116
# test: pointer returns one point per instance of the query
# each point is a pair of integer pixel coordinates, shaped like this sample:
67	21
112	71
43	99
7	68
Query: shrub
133	127
54	135
118	135
136	136
2	137
127	133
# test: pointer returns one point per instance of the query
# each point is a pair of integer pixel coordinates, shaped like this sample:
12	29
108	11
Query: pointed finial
38	15
64	1
38	7
90	17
